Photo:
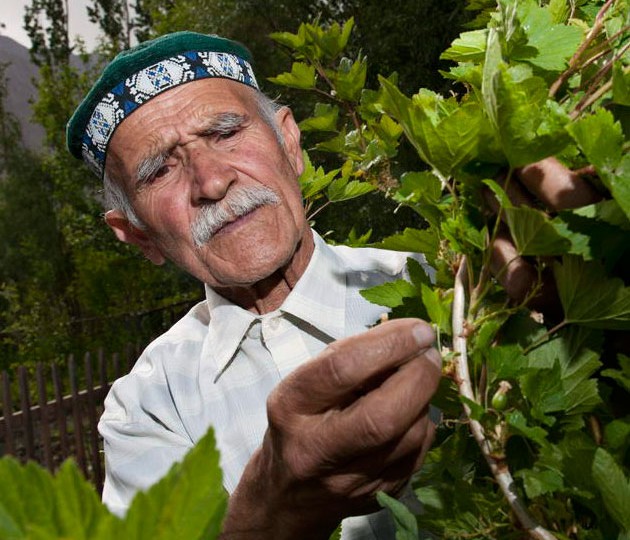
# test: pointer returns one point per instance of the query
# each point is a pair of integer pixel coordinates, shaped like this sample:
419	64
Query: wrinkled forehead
160	124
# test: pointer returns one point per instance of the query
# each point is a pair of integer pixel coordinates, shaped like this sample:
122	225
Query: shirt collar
318	298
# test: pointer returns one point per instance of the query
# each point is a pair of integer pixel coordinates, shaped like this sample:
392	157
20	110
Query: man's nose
212	175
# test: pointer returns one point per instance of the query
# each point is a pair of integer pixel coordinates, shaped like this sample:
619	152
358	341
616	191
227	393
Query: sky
12	15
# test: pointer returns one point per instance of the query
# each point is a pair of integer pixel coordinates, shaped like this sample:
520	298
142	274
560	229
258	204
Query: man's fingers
346	368
387	413
511	270
557	186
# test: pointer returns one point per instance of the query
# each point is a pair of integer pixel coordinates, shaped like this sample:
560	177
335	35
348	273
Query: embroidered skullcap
143	72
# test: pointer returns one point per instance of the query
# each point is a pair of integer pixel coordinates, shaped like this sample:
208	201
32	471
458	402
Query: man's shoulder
190	329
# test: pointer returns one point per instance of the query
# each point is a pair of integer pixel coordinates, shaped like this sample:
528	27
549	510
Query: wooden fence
50	412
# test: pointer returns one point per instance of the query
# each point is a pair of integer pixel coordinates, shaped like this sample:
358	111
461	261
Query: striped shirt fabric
217	366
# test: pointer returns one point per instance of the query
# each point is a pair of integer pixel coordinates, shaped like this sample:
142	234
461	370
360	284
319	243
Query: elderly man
313	411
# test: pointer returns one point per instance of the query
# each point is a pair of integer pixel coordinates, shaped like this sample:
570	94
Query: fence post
61	417
43	408
7	407
93	420
27	417
76	416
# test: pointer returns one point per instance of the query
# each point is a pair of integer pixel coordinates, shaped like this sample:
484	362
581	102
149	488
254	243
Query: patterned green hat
143	72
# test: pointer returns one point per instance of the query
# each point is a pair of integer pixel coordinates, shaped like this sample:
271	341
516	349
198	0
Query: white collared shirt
217	366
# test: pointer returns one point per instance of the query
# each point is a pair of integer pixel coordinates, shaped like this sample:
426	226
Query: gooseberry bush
535	435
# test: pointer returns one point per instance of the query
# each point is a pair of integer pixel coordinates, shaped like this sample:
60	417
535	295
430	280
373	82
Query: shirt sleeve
143	436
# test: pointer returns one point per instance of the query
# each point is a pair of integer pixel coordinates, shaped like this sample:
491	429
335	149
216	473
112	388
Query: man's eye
224	135
162	171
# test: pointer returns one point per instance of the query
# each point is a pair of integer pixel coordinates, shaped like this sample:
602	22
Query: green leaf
622	376
189	502
573	359
314	181
617	434
336	535
342	190
600	138
505	362
534	234
406	525
621	84
443	132
438	306
64	506
301	76
548	45
539	482
325	119
413	240
476	410
613	486
348	79
518	423
390	294
588	297
468	47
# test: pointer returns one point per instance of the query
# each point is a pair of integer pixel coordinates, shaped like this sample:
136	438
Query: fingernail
424	335
433	356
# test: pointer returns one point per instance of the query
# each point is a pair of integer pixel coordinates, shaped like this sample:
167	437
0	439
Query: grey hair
115	196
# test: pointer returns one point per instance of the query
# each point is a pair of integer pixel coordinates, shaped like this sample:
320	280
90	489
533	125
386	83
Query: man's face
196	146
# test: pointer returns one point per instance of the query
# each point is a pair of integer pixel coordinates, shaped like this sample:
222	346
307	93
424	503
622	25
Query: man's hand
557	188
351	422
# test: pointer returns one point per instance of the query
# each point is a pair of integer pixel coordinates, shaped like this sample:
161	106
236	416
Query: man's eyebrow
148	167
223	122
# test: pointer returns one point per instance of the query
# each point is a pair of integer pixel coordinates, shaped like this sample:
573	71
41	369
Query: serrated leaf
64	506
621	84
301	76
588	297
569	386
413	240
189	502
341	189
539	482
420	185
622	376
406	525
600	138
390	294
548	45
468	47
613	486
518	423
314	181
617	434
324	119
443	132
476	410
438	306
533	233
349	78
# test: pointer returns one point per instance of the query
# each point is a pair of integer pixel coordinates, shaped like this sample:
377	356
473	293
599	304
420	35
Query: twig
573	63
498	467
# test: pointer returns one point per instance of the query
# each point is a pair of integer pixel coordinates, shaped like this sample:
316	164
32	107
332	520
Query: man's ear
126	232
291	136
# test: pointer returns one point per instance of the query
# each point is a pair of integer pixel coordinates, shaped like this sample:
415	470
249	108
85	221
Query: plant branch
574	62
498	467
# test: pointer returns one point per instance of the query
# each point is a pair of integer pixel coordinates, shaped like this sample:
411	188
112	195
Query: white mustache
238	202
